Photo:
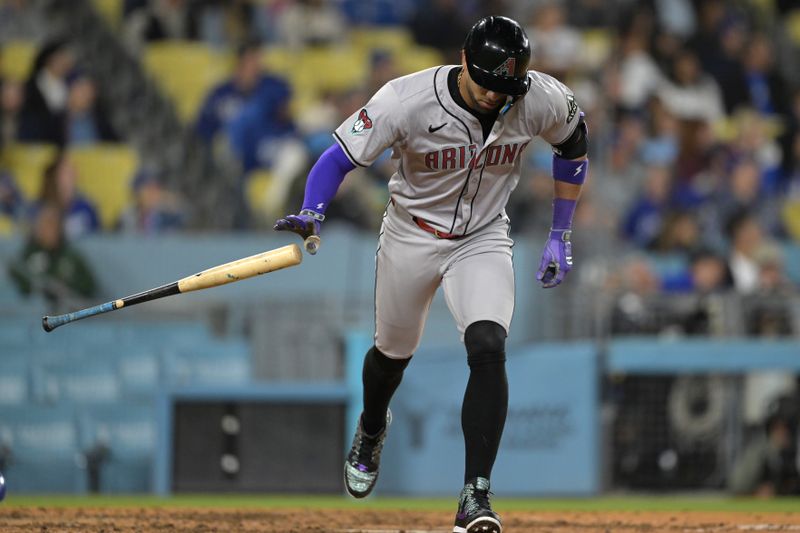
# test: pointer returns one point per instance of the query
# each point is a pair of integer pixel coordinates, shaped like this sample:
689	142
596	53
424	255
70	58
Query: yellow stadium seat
333	68
393	39
7	226
279	60
313	71
790	214
27	163
259	183
186	71
418	58
110	10
596	47
17	59
793	26
105	172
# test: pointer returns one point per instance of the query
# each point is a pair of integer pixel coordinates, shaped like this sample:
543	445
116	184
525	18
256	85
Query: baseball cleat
363	461
475	513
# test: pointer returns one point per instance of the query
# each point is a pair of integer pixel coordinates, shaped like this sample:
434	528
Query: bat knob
311	244
46	325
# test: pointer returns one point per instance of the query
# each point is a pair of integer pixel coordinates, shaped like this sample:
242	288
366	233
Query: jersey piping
347	151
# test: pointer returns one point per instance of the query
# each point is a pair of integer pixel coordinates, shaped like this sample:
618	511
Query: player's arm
360	140
570	166
322	183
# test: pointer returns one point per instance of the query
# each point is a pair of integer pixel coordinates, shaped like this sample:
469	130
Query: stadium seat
418	58
791	257
138	370
596	47
258	185
186	71
793	26
17	59
7	226
80	337
43	444
105	172
393	39
210	363
15	331
27	163
14	380
75	378
163	334
331	68
314	71
111	11
128	432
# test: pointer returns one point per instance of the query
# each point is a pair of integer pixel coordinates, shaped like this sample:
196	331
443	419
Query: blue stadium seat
44	453
14	331
218	362
138	370
129	434
163	334
791	257
14	379
85	333
78	380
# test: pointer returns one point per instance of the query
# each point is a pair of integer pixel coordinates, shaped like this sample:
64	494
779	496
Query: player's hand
303	225
556	258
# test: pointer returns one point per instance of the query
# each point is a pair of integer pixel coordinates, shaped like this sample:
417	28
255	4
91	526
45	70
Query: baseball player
458	135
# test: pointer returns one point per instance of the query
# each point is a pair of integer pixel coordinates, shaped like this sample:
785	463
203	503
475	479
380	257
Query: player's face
479	98
485	100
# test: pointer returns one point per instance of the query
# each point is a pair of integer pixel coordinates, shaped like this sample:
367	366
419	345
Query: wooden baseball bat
244	268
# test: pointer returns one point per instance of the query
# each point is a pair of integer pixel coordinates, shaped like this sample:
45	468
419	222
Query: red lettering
462	154
493	155
432	160
509	153
477	161
521	148
449	158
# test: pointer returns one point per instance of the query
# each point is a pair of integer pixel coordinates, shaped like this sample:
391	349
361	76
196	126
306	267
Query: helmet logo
507	68
363	122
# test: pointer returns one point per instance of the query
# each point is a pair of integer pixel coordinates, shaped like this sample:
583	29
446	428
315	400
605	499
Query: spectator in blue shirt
645	217
59	187
249	85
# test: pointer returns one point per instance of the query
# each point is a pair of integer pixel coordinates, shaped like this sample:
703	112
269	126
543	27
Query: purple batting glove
305	224
556	258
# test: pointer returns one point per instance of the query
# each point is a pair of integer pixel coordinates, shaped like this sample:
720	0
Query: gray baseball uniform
451	181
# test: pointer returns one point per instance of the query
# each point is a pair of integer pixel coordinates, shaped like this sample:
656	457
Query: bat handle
49	323
47	326
311	244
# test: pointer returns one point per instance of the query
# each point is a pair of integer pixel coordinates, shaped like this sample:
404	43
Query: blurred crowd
693	109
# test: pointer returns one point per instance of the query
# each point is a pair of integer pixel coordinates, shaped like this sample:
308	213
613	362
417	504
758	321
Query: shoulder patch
572	107
362	123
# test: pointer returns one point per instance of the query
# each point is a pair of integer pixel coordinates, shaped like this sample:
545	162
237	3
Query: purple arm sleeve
563	211
325	177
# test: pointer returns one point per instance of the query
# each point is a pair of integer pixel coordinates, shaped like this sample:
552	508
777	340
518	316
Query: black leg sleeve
483	413
381	376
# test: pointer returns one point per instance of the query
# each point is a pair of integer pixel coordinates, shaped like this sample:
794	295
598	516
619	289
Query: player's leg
483	416
406	279
479	289
381	375
483	411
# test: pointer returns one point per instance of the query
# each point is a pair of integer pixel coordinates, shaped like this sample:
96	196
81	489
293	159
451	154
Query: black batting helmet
497	53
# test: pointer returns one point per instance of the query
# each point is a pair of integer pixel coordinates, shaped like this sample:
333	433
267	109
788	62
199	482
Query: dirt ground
53	520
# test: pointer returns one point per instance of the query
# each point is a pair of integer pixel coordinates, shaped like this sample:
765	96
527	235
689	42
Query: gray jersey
446	174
